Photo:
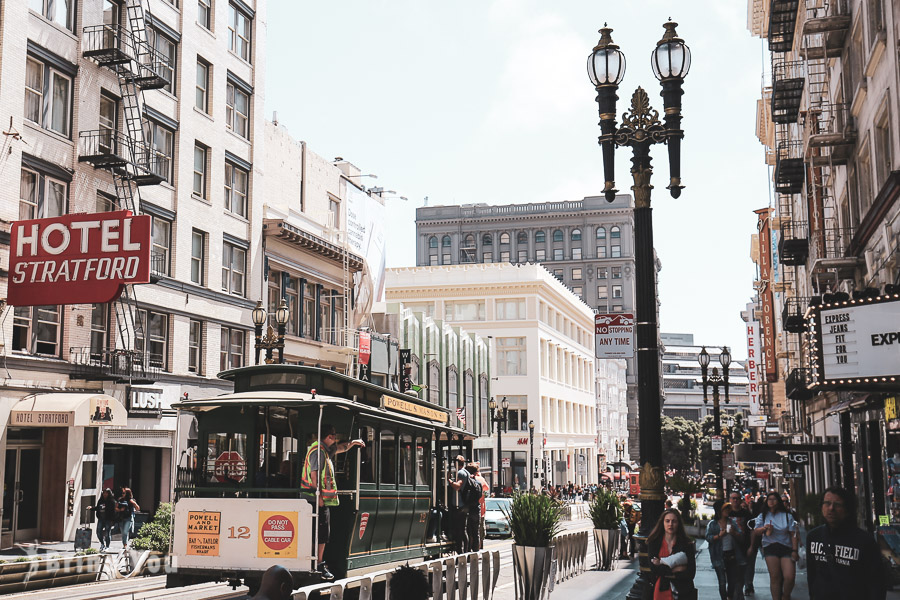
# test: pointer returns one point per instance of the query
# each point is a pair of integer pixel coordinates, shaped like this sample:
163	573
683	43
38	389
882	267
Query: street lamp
498	416
716	380
641	128
531	457
270	340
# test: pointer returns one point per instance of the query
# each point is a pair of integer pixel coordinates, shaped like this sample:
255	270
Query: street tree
680	443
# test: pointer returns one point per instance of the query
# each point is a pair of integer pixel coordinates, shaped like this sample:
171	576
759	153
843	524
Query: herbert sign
858	343
614	335
77	259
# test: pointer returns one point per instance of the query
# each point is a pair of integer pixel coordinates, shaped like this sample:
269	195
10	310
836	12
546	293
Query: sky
489	101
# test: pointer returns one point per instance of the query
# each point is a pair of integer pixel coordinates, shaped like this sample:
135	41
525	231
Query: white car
495	521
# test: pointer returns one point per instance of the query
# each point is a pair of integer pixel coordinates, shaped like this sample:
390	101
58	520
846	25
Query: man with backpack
465	515
473	468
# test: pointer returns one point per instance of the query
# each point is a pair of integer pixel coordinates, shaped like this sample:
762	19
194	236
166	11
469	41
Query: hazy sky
489	101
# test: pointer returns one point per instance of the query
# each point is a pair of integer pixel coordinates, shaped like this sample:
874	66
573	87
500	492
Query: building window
576	235
616	272
540	255
558	235
510	310
106	203
152	339
161	240
464	311
602	292
195	347
446	242
167	50
237	110
204	13
231	349
576	253
616	292
234	266
48	97
504	238
601	273
558	273
601	251
237	182
109	110
523	256
36	329
432	242
557	254
487	240
198	257
239	32
504	256
511	356
615	251
200	157
540	237
601	233
875	13
41	196
61	12
522	237
309	310
433	260
577	290
334	209
617	308
202	97
162	148
576	274
864	176
447	259
487	257
615	233
882	135
99	324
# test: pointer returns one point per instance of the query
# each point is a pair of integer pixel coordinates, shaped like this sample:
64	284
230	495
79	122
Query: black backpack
472	492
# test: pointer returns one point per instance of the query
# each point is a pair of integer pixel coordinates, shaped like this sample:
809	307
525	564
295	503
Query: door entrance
21	493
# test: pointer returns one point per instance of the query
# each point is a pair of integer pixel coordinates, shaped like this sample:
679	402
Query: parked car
495	521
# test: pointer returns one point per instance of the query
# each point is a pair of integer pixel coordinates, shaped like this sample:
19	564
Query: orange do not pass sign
203	530
277	534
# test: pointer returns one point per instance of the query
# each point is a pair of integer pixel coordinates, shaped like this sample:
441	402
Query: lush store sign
77	259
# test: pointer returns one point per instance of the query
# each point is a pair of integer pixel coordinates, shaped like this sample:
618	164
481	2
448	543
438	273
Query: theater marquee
77	259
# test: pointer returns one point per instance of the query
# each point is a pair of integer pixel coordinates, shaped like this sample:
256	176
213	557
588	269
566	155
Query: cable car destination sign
77	258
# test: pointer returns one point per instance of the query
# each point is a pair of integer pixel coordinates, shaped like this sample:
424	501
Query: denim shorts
777	550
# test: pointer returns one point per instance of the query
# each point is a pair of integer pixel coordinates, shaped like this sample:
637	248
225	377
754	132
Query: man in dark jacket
843	561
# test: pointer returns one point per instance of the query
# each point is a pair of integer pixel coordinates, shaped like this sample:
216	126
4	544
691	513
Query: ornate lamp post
270	340
531	456
641	128
498	417
716	380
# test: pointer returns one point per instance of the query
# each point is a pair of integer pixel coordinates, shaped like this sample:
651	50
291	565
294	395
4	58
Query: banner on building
366	236
614	335
857	344
753	356
766	294
77	259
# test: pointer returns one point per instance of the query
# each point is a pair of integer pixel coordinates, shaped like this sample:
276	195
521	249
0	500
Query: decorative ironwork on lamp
271	340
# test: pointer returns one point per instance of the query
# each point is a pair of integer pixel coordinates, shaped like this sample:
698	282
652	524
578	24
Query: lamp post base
642	587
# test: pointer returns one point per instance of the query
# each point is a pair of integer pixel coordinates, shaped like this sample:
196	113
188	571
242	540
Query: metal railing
159	264
792	316
115	364
831	243
571	554
796	384
828	124
115	45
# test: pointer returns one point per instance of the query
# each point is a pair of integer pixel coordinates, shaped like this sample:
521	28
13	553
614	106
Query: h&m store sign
77	259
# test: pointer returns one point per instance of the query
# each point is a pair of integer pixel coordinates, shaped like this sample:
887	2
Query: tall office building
587	244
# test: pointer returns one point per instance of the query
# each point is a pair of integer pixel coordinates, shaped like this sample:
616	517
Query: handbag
685	594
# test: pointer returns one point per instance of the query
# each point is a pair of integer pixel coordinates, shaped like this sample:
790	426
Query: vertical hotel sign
766	294
753	353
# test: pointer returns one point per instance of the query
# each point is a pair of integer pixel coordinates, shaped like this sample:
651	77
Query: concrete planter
606	543
532	570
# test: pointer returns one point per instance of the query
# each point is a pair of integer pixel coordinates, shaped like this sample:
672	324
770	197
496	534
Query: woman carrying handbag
672	559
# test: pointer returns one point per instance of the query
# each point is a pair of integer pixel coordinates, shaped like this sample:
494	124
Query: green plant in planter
605	509
154	535
533	519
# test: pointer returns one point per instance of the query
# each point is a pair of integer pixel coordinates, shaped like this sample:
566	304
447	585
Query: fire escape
133	164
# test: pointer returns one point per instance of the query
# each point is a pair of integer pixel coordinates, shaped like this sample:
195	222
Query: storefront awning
68	410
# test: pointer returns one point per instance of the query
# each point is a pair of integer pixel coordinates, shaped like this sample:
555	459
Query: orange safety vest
326	478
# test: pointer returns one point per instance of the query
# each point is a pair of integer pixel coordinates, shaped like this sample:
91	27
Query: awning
68	410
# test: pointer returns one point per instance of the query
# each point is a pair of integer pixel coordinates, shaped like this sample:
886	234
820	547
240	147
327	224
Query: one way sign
798	458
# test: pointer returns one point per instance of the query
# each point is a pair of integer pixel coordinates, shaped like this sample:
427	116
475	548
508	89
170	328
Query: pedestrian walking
125	509
672	559
843	561
780	542
105	511
725	537
482	503
466	513
756	507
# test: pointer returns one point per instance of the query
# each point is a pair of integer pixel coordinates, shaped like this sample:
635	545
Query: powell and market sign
857	344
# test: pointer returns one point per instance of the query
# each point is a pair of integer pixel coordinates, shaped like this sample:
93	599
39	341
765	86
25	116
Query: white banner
753	356
365	234
859	341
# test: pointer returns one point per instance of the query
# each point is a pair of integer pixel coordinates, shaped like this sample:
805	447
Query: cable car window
367	455
422	455
226	458
273	379
407	464
388	458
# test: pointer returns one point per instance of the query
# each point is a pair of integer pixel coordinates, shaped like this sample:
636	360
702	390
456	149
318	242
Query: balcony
796	385
789	168
825	29
115	364
828	133
115	47
793	244
792	316
829	252
159	266
116	152
788	78
782	24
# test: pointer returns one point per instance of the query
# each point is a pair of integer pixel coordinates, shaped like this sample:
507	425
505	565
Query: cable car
238	507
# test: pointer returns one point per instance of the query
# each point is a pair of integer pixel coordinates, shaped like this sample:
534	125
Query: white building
612	405
543	359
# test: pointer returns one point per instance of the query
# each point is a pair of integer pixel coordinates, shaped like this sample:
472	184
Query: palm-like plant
605	509
533	519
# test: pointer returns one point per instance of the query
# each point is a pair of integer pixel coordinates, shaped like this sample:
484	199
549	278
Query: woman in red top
667	538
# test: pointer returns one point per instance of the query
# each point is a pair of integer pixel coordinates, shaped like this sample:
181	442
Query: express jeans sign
78	259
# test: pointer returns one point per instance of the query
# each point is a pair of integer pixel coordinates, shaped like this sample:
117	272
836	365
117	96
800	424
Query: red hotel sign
77	259
766	295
